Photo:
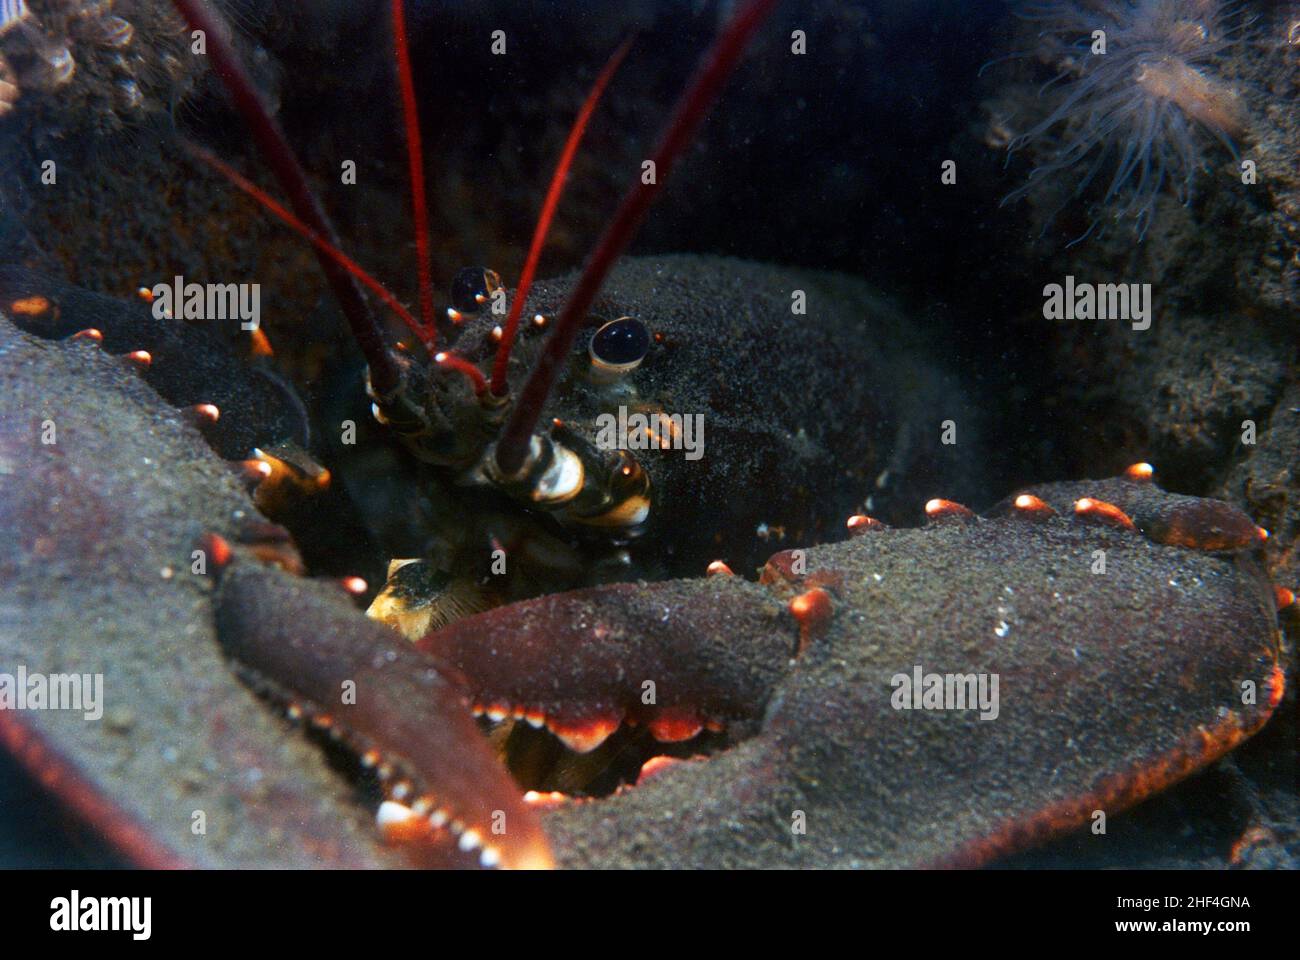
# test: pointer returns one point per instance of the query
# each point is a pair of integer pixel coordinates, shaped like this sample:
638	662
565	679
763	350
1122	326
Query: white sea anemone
1143	111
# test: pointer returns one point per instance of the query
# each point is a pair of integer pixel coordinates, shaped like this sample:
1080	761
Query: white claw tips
393	815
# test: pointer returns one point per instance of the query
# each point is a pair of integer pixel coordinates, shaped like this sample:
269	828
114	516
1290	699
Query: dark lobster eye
619	346
472	287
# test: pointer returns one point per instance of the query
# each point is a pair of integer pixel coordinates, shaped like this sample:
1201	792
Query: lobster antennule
326	249
415	160
718	63
278	155
553	194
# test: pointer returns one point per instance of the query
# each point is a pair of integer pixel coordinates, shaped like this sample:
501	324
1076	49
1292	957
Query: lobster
753	665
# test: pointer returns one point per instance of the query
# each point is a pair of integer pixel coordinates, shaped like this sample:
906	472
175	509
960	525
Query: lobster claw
387	703
676	657
944	682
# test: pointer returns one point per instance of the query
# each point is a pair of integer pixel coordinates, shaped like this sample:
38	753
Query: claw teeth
390	811
469	840
31	306
217	549
496	713
396	821
1028	505
938	509
399	823
860	523
203	414
654	766
553	798
255	471
490	858
586	737
535	719
674	728
259	345
1099	511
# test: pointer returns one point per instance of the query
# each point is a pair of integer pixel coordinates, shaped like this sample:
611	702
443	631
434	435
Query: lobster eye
619	346
472	287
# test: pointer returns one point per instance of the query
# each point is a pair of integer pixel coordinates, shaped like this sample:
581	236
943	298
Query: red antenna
717	65
415	159
323	246
270	140
553	193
